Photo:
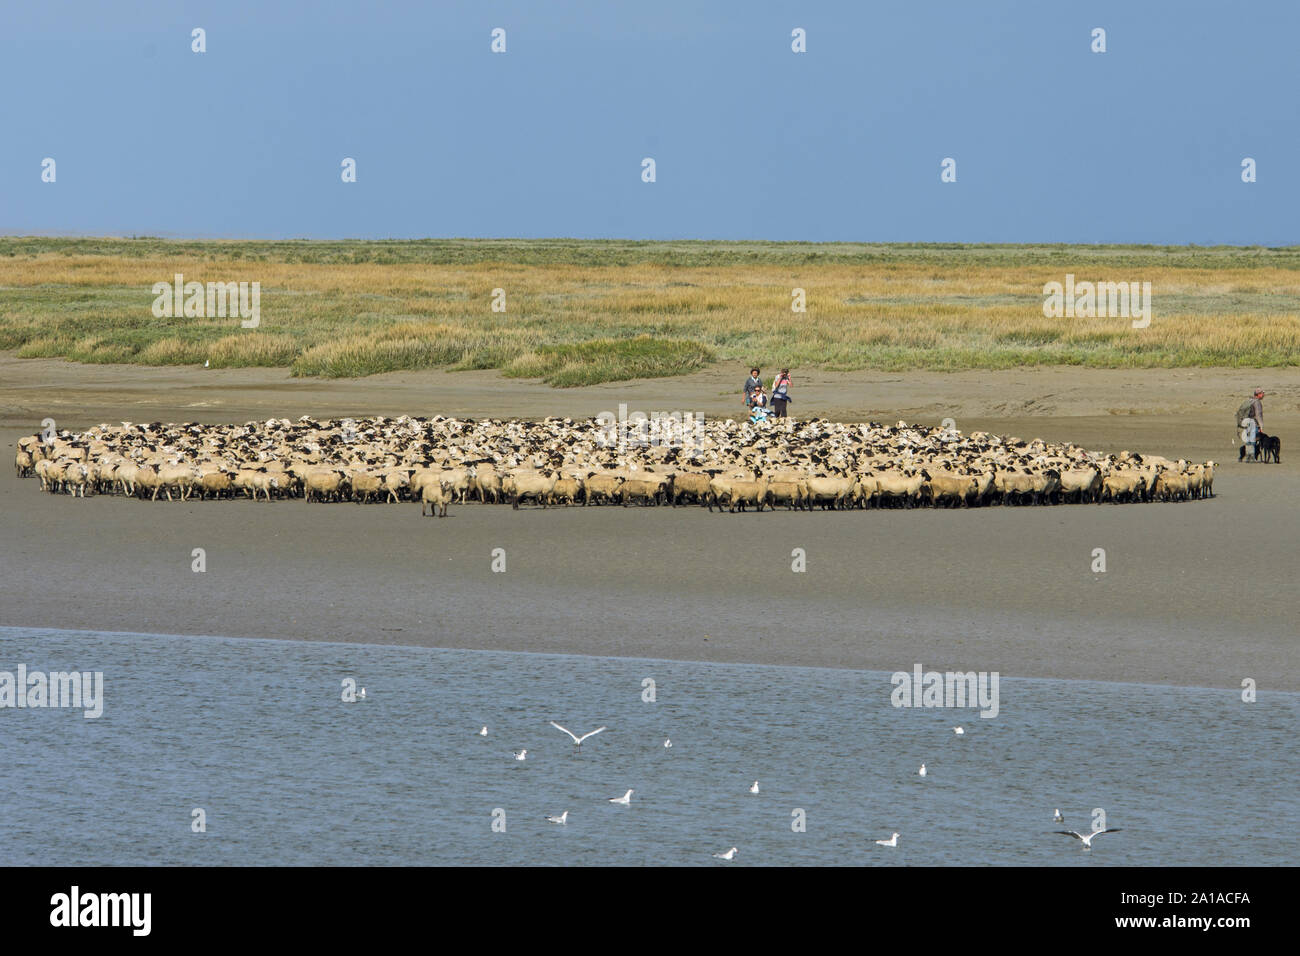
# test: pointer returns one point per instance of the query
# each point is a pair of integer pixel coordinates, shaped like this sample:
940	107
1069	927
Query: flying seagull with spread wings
1087	840
577	741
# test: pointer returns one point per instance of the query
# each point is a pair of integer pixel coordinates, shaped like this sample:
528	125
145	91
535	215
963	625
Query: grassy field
581	312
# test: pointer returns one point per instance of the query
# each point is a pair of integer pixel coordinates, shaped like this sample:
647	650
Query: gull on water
667	742
921	772
521	754
892	841
754	787
625	799
1087	840
726	856
1058	818
959	731
562	818
483	732
577	741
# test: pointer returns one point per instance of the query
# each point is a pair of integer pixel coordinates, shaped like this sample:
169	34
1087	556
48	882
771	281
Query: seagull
205	362
562	818
922	770
726	856
892	841
1058	818
667	742
1087	840
576	739
959	731
625	799
754	788
483	732
521	754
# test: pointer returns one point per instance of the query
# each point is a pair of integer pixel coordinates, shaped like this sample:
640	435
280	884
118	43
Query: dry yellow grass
947	310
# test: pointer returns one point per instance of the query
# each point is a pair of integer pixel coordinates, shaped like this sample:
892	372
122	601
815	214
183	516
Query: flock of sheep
730	465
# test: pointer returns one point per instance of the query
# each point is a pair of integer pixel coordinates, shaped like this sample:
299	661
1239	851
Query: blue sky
1053	143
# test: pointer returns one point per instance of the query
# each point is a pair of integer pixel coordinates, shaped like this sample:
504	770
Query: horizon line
629	239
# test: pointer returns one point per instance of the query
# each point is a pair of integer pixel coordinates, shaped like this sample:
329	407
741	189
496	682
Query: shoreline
1005	589
602	657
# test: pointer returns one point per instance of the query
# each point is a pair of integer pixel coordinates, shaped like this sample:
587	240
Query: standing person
781	393
1250	418
754	381
1257	409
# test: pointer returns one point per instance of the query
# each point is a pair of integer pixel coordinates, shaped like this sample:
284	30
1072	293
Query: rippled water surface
256	734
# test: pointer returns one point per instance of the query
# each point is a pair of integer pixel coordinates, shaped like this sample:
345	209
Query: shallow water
256	734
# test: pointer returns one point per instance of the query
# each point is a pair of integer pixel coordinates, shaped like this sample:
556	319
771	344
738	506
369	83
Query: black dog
1266	446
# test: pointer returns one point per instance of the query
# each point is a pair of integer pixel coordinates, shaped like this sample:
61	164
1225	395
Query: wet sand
1197	593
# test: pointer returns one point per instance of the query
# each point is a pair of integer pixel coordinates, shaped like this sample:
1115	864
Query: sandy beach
1197	593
